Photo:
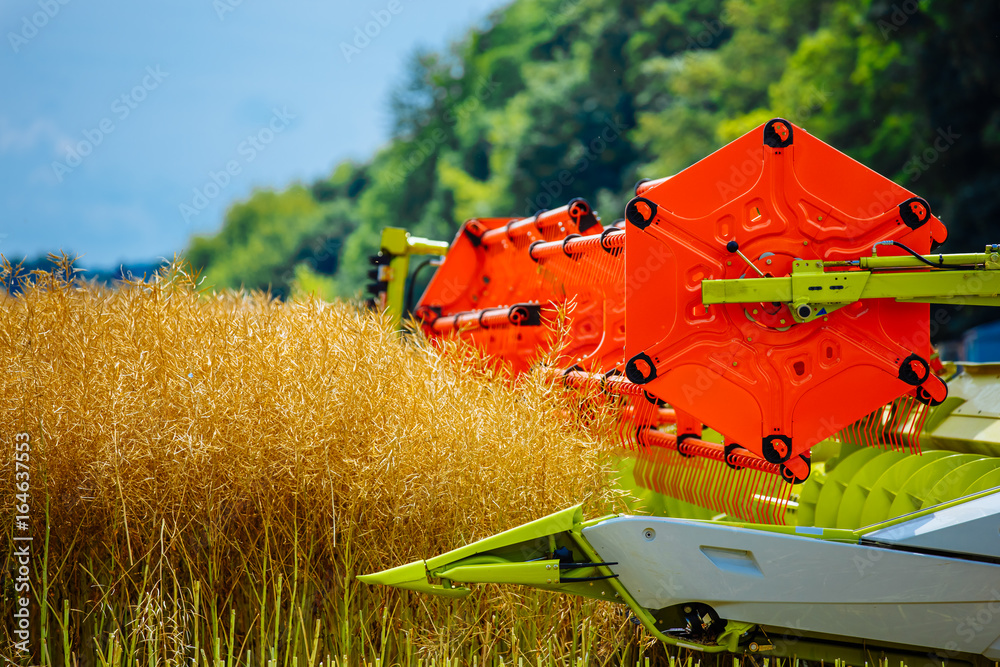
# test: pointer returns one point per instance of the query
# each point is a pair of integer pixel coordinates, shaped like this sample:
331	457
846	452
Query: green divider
990	480
954	484
805	513
852	502
836	482
911	497
880	497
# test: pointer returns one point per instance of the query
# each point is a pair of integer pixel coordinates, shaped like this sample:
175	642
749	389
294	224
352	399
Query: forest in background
612	91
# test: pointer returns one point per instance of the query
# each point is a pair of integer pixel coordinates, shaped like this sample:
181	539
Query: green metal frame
491	561
399	245
472	566
511	557
812	292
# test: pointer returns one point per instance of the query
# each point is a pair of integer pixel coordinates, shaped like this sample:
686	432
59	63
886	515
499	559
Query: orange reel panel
749	370
498	267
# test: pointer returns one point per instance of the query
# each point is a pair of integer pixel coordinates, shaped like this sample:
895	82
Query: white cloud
41	132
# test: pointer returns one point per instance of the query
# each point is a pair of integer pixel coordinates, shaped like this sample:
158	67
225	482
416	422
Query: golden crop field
209	471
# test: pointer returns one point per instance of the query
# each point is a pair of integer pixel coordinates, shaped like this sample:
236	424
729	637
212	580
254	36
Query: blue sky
115	113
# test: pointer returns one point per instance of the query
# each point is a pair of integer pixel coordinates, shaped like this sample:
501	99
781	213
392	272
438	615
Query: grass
210	471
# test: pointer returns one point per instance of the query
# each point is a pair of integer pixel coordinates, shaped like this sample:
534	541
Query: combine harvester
768	303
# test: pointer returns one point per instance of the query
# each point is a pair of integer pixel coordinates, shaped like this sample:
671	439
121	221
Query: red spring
697	473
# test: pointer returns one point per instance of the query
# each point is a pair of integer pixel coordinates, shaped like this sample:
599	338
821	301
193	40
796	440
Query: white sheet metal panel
805	584
970	528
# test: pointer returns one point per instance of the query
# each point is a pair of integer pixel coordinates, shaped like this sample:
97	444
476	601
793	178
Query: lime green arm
500	559
812	292
412	576
481	561
398	244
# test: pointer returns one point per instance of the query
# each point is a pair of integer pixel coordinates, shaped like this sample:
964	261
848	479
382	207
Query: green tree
554	99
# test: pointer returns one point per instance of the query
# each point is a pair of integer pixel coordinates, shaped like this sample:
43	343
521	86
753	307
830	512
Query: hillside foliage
553	99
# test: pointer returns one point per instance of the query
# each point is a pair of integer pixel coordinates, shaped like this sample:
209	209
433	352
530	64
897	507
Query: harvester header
777	370
768	302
